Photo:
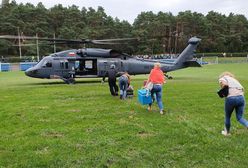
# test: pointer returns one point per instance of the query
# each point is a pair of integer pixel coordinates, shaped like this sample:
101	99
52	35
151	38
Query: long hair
227	74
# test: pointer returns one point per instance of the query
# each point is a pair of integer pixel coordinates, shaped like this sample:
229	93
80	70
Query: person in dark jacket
111	74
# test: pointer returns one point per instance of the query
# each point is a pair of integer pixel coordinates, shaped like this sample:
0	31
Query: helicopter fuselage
85	67
92	62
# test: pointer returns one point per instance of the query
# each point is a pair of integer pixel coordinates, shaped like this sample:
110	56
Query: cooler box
144	96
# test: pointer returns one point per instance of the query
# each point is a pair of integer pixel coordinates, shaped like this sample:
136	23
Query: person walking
156	79
111	74
234	100
124	82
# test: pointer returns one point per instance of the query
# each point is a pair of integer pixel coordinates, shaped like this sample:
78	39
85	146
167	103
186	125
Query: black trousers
113	88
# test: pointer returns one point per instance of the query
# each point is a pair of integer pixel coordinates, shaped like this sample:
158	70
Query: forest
158	33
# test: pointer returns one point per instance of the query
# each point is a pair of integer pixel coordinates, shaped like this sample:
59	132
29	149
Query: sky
129	9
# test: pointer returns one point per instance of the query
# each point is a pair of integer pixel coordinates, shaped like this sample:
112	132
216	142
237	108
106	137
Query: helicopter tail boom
188	52
185	59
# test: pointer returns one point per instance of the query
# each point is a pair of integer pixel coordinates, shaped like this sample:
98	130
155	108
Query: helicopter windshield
40	63
45	62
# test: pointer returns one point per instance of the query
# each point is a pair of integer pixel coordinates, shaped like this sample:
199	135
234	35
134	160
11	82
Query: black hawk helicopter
94	62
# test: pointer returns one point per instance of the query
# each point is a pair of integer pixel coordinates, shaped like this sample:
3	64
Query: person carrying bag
155	84
234	100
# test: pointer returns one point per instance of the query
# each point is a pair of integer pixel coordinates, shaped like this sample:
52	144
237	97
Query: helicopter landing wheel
168	77
69	80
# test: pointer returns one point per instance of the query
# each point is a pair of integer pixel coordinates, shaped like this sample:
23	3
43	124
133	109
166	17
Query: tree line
160	32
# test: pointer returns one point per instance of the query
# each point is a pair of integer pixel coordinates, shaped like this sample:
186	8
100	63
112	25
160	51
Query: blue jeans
123	84
157	89
237	103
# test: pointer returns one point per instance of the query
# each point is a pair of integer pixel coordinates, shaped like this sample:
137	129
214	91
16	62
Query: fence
5	67
222	60
25	65
22	66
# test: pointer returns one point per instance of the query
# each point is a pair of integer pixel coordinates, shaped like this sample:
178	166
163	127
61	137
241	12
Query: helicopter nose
31	72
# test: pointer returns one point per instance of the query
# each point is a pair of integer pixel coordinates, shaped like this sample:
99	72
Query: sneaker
225	133
161	112
149	108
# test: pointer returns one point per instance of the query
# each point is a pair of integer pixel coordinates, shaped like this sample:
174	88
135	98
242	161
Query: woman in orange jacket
157	78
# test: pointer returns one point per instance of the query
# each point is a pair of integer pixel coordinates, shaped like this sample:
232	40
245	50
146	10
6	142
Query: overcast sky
129	9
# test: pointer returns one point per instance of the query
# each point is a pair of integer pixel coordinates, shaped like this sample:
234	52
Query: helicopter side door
85	67
65	68
91	66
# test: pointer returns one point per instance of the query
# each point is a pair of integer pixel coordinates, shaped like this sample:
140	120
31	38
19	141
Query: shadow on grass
62	83
77	81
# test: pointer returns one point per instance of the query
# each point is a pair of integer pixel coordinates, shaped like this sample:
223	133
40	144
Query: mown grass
46	123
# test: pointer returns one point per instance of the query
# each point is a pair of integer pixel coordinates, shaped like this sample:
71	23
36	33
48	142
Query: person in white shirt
234	100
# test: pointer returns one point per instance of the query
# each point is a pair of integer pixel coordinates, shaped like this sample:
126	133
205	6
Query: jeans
157	89
123	84
237	103
113	88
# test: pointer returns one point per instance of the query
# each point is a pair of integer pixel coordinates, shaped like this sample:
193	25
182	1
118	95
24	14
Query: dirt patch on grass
52	134
144	134
73	111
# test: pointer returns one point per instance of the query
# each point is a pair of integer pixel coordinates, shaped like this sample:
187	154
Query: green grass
46	123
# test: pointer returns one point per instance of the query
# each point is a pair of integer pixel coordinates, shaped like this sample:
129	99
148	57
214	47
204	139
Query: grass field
46	123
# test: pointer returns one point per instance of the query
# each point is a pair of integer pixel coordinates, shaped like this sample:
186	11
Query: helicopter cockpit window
47	64
41	63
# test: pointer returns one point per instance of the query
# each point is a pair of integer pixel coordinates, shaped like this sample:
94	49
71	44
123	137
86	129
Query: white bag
149	86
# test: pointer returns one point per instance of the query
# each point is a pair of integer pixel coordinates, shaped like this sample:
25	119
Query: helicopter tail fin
187	55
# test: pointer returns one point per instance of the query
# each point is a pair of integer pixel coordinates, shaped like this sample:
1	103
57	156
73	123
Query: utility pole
169	43
37	47
176	38
54	44
19	43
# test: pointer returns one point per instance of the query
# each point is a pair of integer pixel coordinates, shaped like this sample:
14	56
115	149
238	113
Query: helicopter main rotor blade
117	39
36	38
24	45
69	41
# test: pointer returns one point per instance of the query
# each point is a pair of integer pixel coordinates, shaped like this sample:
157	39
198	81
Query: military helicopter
94	62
